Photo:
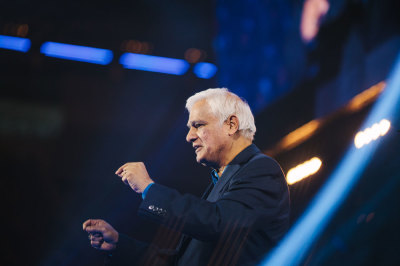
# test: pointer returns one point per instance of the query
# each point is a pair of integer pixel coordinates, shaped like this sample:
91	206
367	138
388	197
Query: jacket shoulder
263	164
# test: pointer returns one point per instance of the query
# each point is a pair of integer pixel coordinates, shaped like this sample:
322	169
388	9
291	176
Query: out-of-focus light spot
193	55
205	70
299	135
296	137
303	170
15	43
77	53
22	30
377	130
154	63
306	131
297	242
313	11
365	97
19	30
370	217
133	46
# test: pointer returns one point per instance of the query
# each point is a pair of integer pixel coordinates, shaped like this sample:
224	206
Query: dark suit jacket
235	223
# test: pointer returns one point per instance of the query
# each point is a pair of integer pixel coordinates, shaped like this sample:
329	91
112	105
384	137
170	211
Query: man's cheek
205	136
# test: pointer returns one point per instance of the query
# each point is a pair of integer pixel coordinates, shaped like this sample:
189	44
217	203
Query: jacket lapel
207	191
223	180
231	169
213	192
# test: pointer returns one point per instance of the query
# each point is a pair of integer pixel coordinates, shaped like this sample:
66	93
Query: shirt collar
214	176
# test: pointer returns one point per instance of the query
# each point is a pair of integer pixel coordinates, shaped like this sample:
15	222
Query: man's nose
191	136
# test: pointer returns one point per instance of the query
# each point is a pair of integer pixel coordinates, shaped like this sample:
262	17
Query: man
242	214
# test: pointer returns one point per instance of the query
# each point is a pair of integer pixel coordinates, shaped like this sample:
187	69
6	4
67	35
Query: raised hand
135	175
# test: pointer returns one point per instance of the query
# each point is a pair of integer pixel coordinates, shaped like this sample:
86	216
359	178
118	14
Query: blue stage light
154	63
293	248
205	70
77	53
15	43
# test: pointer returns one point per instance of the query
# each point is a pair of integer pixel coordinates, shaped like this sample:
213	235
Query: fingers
102	245
93	226
86	223
102	235
125	180
96	237
119	171
122	168
96	243
89	222
95	230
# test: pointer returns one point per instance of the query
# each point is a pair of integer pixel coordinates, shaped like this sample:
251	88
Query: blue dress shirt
146	189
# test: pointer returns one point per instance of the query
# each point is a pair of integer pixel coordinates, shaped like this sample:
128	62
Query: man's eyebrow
192	123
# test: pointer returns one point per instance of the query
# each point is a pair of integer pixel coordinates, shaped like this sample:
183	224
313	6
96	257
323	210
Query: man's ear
233	123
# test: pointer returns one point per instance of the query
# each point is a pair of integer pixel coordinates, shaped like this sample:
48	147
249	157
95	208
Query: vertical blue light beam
15	43
293	248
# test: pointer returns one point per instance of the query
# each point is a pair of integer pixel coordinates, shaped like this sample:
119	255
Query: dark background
66	126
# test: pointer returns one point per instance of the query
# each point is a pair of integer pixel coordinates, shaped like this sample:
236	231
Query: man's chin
203	161
199	159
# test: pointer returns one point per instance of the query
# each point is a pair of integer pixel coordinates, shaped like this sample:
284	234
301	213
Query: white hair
223	104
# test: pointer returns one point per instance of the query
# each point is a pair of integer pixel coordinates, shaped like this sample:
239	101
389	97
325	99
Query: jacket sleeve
257	192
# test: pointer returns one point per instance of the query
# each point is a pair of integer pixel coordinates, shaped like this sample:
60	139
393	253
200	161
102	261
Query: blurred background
88	86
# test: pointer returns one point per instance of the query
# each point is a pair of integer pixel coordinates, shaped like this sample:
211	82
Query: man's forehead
199	113
199	105
199	109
